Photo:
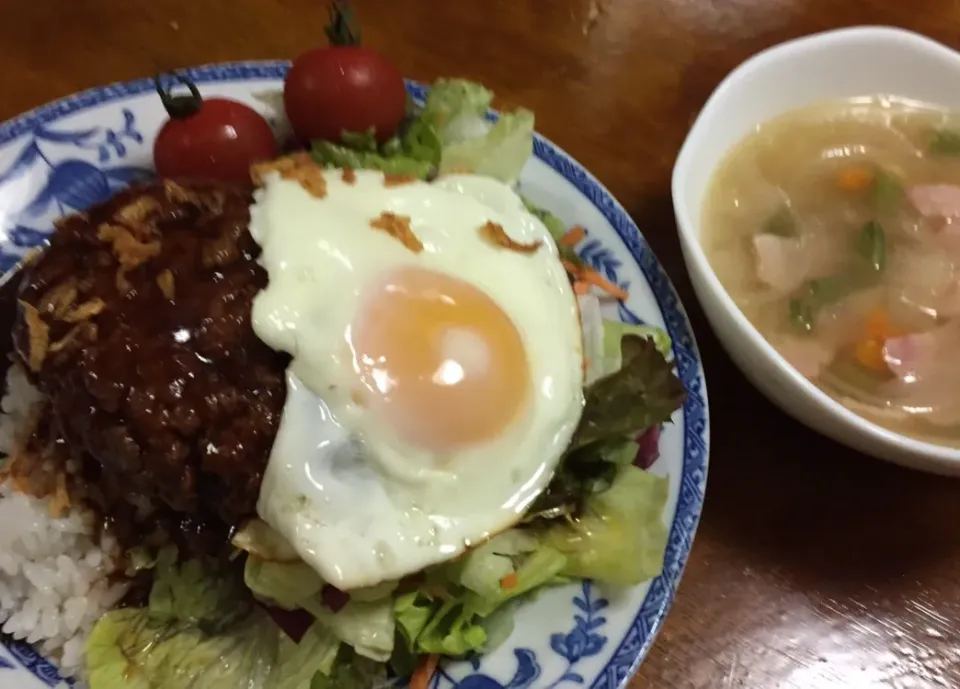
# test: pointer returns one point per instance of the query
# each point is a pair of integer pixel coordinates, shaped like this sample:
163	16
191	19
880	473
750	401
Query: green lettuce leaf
129	649
539	569
299	662
603	339
196	592
449	134
483	568
555	226
413	612
353	672
455	112
618	408
283	584
644	392
453	630
335	155
456	109
615	331
501	153
620	538
201	631
459	620
258	538
377	592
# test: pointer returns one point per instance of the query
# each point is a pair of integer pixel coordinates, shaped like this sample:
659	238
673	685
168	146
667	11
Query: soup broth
836	230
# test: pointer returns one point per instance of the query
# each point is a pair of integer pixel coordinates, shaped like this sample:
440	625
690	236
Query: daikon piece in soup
836	230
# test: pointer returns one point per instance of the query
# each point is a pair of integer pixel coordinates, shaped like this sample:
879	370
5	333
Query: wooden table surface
814	567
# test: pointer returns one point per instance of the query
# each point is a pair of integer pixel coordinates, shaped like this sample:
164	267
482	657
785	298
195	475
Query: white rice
54	577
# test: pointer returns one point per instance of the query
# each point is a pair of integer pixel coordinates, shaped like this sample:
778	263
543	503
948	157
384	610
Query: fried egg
436	376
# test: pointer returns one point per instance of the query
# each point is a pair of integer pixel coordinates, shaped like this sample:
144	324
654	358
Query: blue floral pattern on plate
73	153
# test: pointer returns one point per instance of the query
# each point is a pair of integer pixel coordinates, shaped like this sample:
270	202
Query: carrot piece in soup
855	178
878	325
878	328
869	354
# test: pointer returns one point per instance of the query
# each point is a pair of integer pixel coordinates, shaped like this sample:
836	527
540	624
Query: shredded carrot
594	278
573	236
509	582
423	673
855	178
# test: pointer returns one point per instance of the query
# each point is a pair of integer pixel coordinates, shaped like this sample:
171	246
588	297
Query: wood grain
814	567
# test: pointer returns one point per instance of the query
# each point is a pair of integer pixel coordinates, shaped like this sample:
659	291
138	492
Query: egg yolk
439	360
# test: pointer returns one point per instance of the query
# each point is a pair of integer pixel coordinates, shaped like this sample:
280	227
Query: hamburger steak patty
135	323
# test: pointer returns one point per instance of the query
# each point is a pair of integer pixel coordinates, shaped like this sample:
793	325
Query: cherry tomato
215	139
343	88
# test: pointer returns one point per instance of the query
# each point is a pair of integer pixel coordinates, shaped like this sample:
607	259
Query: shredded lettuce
330	154
483	568
501	153
283	584
464	606
258	538
413	612
619	408
539	569
374	593
453	630
368	627
195	592
456	109
449	134
353	672
200	631
603	338
598	363
129	650
556	227
620	538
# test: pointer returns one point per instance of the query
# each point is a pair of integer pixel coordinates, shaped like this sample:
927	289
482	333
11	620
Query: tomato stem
343	29
181	106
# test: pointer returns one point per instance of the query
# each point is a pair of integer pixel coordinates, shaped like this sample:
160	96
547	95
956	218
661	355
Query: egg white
357	503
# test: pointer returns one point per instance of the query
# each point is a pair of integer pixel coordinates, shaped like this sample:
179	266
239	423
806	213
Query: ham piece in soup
936	200
836	230
927	377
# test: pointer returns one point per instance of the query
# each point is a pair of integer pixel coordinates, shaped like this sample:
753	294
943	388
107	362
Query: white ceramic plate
75	152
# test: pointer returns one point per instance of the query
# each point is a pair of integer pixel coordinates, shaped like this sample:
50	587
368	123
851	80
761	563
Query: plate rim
650	615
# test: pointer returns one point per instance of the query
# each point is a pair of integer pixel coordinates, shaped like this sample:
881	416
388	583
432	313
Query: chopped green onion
945	142
813	296
885	193
872	245
782	223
